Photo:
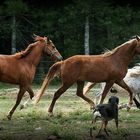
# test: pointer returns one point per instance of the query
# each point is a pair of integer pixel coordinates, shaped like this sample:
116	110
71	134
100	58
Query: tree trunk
87	36
13	41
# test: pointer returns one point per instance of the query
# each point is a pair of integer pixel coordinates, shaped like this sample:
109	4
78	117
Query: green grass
71	120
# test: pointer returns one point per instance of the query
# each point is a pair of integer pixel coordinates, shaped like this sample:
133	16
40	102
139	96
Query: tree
15	9
85	7
87	36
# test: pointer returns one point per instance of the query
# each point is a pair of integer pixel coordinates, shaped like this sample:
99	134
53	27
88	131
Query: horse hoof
91	132
21	107
1	128
120	107
138	107
94	128
50	114
100	136
127	108
9	117
92	107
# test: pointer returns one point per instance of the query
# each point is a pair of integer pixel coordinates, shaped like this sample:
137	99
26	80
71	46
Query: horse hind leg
99	94
126	87
80	85
136	102
57	94
88	86
105	91
138	94
19	97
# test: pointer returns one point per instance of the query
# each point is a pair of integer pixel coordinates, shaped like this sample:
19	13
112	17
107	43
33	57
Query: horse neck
125	54
35	55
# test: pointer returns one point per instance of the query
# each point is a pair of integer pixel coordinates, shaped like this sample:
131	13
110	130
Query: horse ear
37	38
34	36
137	37
48	39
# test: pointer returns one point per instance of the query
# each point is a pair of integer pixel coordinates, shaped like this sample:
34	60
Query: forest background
75	26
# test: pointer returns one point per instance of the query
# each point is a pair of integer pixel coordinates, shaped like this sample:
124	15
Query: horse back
14	70
91	68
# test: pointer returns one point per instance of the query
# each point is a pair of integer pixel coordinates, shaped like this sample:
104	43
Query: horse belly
9	75
98	77
9	79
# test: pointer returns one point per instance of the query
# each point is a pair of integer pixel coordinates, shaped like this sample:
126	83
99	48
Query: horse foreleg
19	97
138	94
136	102
126	87
80	85
98	95
88	86
29	100
107	87
57	94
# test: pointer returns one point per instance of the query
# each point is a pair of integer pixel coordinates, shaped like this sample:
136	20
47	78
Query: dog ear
110	100
113	100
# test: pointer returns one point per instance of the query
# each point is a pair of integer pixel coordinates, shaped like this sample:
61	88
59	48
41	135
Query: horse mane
24	53
110	52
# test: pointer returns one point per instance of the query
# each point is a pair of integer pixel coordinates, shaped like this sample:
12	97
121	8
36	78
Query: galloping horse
20	68
110	67
132	79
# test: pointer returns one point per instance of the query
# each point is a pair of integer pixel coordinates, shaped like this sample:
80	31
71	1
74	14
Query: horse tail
53	71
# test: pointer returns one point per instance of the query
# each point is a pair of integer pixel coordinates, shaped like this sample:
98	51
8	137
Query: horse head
137	48
49	47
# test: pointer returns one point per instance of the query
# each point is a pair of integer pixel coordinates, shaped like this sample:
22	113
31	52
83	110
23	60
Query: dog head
113	100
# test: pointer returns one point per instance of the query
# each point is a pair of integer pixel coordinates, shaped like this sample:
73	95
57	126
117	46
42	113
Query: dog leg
100	128
105	124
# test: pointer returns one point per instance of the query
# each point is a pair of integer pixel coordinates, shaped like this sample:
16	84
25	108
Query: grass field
71	120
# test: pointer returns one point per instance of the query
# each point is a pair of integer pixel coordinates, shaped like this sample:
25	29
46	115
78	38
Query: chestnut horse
132	79
20	68
110	67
